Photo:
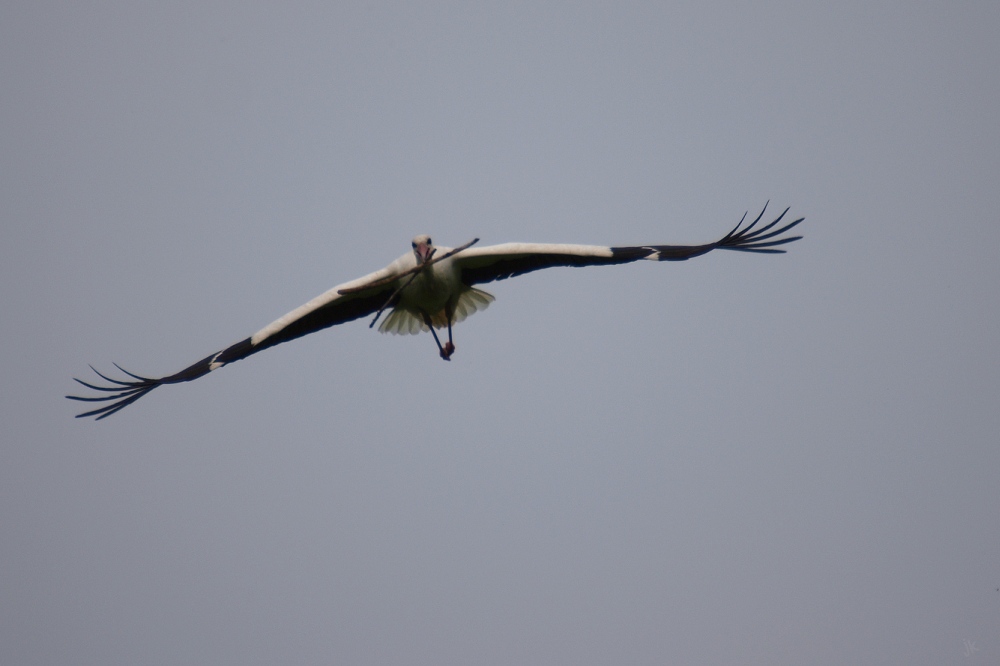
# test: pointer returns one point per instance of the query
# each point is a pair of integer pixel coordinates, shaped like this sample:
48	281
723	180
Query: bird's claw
447	351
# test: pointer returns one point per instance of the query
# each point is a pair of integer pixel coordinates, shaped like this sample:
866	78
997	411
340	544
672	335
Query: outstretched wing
328	309
499	262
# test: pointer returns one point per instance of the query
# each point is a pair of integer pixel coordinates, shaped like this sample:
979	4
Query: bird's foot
447	351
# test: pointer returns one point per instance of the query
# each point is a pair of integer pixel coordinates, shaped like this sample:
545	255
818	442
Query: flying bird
426	289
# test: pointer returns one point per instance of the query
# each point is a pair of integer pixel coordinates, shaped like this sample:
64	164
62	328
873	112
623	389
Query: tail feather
405	322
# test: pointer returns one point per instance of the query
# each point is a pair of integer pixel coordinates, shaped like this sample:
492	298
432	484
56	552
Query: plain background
737	459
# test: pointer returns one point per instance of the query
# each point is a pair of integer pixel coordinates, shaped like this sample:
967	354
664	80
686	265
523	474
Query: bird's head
423	248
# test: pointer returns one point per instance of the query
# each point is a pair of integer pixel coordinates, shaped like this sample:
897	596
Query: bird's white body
432	290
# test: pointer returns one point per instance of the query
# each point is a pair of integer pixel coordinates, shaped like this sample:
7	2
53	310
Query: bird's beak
423	252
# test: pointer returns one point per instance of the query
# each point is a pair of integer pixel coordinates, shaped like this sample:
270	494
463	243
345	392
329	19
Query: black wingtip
123	393
746	239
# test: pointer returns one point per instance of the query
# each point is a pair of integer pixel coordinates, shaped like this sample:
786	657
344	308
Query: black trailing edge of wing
121	393
744	239
513	266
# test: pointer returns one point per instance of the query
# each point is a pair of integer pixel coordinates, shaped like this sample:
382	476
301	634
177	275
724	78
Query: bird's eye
429	242
414	245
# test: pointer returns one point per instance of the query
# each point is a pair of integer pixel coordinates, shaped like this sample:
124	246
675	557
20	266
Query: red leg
446	355
449	347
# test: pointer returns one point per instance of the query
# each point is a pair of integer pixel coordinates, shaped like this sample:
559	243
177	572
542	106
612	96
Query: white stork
427	292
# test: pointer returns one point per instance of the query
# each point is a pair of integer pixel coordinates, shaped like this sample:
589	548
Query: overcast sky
738	459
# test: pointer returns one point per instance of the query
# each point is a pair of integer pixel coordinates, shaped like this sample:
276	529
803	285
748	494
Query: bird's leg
449	348
430	325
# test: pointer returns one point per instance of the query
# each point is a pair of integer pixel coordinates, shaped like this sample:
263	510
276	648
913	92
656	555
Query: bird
429	288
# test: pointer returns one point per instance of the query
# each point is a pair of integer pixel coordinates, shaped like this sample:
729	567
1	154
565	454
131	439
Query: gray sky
737	459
